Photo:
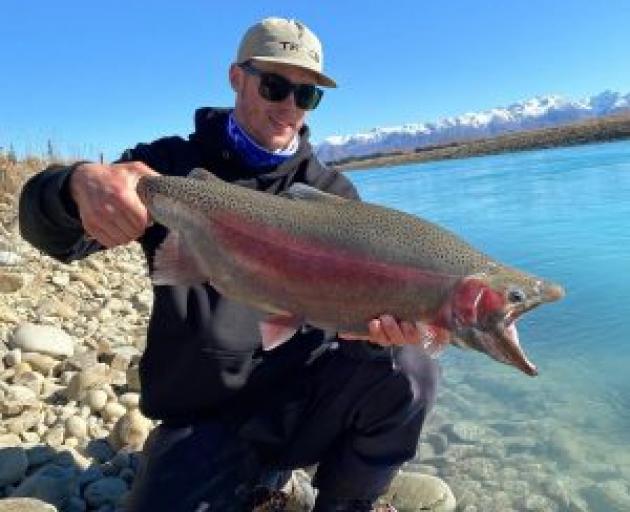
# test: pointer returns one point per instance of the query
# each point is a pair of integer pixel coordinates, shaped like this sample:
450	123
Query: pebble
8	258
17	398
8	315
91	377
106	491
412	492
131	431
44	339
76	426
468	432
51	483
25	505
54	436
96	399
10	282
609	495
112	411
39	455
13	357
13	465
40	362
9	440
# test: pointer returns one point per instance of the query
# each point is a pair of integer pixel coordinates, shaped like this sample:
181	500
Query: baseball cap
285	41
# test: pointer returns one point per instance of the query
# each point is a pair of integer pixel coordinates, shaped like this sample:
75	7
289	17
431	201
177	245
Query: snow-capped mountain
539	112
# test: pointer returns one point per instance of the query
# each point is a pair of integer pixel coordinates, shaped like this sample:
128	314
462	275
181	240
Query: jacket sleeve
49	218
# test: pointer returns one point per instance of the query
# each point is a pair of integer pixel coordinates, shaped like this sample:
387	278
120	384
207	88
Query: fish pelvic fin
277	329
174	263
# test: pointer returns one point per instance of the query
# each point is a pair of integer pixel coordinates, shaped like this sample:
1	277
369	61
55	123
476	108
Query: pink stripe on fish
274	253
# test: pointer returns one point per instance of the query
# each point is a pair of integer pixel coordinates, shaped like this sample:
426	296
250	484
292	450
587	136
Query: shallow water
563	214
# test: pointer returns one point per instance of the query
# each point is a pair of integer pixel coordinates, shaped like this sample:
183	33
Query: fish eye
516	295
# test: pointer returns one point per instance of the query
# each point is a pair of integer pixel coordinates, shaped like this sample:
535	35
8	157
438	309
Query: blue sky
101	76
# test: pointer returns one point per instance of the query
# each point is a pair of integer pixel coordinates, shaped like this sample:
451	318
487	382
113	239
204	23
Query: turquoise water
563	214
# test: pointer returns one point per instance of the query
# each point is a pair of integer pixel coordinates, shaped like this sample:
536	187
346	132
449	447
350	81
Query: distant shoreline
604	129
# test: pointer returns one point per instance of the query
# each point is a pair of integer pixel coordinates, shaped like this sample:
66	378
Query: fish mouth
501	342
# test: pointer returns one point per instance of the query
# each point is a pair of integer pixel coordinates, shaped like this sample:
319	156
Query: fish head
485	307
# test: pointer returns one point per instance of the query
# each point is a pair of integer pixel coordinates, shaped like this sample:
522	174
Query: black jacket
203	355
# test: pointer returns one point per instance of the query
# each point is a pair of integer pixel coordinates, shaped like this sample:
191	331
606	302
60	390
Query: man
235	417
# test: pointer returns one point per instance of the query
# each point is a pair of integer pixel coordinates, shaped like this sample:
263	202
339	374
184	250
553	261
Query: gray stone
299	492
44	339
411	492
106	491
468	432
76	504
91	474
91	377
76	426
24	422
143	301
16	399
610	495
51	483
13	465
40	362
131	430
100	450
439	441
96	399
10	282
25	505
8	258
38	455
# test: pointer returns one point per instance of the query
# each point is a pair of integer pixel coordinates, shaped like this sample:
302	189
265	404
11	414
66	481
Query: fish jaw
485	308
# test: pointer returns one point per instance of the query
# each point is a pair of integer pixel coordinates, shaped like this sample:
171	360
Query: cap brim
321	79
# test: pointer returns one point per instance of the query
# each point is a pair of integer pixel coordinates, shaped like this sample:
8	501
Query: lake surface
559	441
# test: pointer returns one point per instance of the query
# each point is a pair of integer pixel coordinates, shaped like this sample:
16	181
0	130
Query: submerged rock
411	492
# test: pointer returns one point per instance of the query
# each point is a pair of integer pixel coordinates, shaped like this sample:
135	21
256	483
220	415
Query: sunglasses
274	87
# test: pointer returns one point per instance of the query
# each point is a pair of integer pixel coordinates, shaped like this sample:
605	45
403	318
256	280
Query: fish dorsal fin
308	193
199	173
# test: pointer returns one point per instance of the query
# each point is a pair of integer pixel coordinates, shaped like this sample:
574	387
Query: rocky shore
71	336
71	432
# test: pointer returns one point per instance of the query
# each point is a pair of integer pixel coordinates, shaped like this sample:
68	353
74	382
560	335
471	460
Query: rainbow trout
310	257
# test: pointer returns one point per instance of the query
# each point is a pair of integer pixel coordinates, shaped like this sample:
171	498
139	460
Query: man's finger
391	330
411	333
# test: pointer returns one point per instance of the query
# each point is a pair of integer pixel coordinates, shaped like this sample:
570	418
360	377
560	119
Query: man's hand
386	331
109	207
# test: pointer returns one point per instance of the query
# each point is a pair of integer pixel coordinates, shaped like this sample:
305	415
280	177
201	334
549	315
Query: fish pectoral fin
174	263
199	173
308	193
277	329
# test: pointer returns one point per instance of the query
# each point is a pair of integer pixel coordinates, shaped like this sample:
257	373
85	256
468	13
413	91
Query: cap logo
296	47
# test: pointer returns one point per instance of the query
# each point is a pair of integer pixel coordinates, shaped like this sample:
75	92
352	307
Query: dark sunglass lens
307	97
274	87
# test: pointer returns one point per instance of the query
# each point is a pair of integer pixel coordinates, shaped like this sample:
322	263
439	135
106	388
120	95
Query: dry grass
13	174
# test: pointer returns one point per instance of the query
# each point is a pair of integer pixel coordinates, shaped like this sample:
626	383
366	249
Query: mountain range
539	112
